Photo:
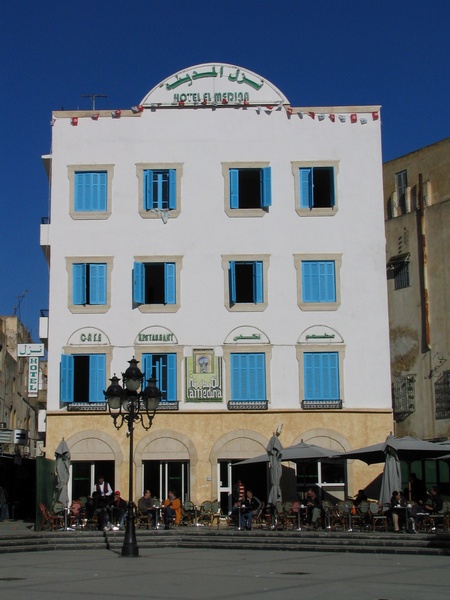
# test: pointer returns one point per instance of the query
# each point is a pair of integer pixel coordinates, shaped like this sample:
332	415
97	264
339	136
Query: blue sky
391	52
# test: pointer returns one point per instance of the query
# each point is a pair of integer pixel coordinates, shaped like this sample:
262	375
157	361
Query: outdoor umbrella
407	448
274	450
62	455
299	452
392	476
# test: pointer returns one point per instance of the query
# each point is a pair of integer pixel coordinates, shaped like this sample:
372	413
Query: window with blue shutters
164	368
246	282
317	188
321	378
318	281
91	191
250	188
160	189
83	378
89	283
248	377
154	283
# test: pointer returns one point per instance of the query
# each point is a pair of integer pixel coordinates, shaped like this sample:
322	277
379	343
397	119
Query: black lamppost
127	405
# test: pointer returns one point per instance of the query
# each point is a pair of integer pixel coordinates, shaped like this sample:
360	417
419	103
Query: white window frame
156	213
89	308
90	215
308	306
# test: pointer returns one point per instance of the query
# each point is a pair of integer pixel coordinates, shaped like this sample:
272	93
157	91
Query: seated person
101	505
148	506
119	509
172	509
235	513
249	509
314	509
360	497
434	502
397	514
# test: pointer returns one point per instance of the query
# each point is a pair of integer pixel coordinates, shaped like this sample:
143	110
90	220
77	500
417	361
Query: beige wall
204	438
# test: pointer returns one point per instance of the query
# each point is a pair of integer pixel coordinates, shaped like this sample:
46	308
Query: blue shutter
97	377
139	283
80	192
308	281
232	281
91	190
328	281
79	283
318	281
256	377
99	192
321	375
306	191
97	283
172	377
266	186
248	377
169	283
312	362
148	189
236	377
172	189
330	376
66	378
258	284
234	188
147	367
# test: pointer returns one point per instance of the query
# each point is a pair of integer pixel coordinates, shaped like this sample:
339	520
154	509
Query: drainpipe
423	251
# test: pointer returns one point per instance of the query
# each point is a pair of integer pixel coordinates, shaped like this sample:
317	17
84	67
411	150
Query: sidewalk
198	574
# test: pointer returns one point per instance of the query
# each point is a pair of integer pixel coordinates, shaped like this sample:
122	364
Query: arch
167	444
96	445
327	438
251	443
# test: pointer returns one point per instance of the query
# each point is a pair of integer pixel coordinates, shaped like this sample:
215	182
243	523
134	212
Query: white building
235	244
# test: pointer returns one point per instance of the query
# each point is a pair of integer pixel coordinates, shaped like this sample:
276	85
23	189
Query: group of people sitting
419	507
110	508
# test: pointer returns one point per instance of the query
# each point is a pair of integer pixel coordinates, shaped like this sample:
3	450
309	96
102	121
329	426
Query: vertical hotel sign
32	352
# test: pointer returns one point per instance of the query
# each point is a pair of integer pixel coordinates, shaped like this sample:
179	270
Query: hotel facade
234	245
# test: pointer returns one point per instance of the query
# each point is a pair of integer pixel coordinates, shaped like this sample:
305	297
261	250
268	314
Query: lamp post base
130	547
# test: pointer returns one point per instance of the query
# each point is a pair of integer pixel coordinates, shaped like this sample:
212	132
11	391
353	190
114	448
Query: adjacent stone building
417	213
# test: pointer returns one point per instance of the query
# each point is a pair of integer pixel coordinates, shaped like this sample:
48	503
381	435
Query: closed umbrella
62	455
392	476
274	450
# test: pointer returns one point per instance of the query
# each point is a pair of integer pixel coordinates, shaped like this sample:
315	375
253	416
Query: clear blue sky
391	52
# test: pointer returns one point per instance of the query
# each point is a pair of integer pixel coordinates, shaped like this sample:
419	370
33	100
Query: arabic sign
214	83
247	335
30	350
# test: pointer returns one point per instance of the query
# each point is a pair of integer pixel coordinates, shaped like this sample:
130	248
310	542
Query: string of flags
342	118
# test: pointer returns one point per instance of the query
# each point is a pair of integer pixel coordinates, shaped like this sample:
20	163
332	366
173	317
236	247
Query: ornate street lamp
127	405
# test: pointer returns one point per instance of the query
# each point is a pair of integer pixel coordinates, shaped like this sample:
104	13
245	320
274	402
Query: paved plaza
196	574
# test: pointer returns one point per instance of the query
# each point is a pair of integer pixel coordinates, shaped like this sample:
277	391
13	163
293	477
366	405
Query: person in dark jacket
249	509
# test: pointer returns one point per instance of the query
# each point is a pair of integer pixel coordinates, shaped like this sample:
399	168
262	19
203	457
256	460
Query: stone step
383	543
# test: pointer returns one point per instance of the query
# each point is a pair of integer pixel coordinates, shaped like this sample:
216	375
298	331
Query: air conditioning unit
6	436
